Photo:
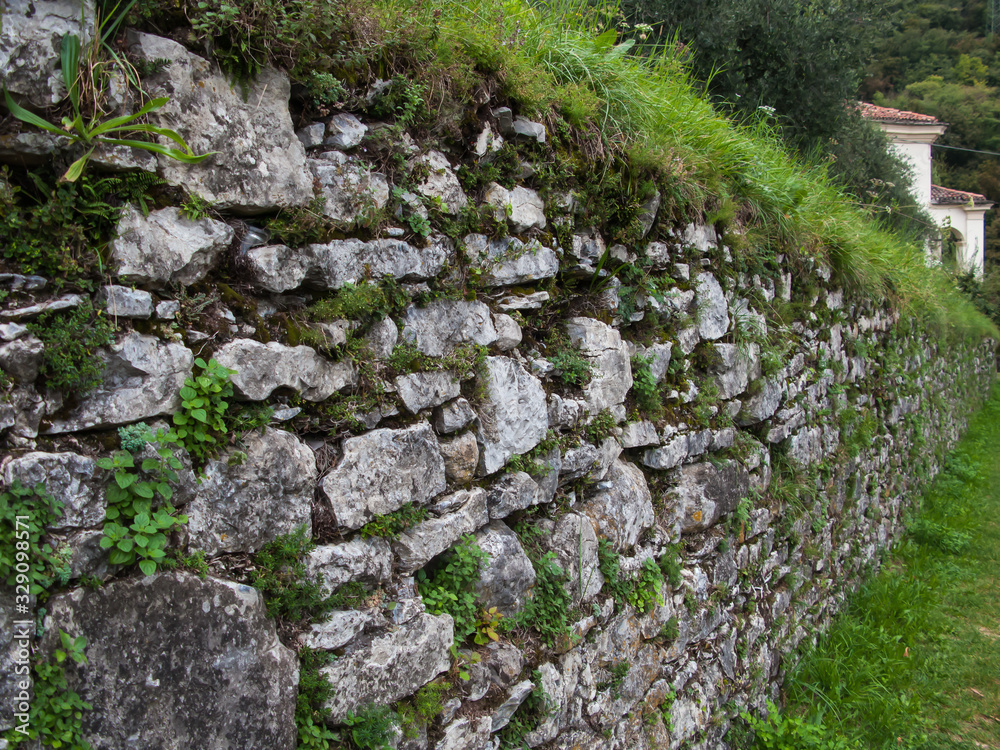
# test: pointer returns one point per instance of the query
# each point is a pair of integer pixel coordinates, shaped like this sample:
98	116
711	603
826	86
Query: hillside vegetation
620	125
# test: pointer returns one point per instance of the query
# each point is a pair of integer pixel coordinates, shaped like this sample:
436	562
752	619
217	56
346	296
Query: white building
960	213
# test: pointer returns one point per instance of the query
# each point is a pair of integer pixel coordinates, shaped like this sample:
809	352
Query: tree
803	61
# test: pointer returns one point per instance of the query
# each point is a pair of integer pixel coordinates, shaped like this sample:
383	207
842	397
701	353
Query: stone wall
793	423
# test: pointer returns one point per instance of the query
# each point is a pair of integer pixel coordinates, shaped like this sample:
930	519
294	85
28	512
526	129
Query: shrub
391	525
788	732
280	575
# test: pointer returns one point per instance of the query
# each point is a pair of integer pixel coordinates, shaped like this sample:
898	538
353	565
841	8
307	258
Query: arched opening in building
952	248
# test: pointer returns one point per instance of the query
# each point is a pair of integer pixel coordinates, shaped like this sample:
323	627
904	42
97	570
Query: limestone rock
338	629
123	302
523	209
340	262
241	506
508	332
381	471
441	182
611	368
22	359
177	662
453	416
576	545
260	165
514	491
461	457
71	478
507	576
639	434
422	390
428	539
382	337
518	694
393	666
713	310
466	733
260	368
142	378
444	324
622	507
514	418
507	261
350	189
65	302
765	397
705	493
345	131
367	560
527	130
671	454
585	251
166	247
279	268
735	368
30	41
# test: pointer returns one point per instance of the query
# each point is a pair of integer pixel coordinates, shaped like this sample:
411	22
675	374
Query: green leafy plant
139	512
201	421
195	207
134	437
601	426
71	339
448	585
547	611
56	714
486	626
310	710
92	132
671	563
571	367
24	514
789	732
371	727
648	397
618	674
280	575
365	302
642	592
391	525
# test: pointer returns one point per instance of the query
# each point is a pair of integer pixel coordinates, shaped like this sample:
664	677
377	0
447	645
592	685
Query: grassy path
914	661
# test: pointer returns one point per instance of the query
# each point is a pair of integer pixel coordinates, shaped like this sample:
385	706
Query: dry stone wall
793	422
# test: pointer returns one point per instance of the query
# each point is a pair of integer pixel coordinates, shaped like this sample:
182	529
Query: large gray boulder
367	560
704	493
513	418
611	366
508	261
177	662
381	471
166	247
142	378
428	539
261	368
712	309
69	477
441	182
439	327
350	189
31	33
422	390
766	395
575	542
391	667
622	506
259	164
522	208
507	575
241	504
279	268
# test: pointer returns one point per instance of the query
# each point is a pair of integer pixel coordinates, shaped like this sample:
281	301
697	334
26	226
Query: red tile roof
947	197
887	114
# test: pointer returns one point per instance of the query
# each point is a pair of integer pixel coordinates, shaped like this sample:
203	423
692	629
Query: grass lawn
914	660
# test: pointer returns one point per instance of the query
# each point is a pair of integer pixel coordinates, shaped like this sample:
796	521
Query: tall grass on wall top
565	55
